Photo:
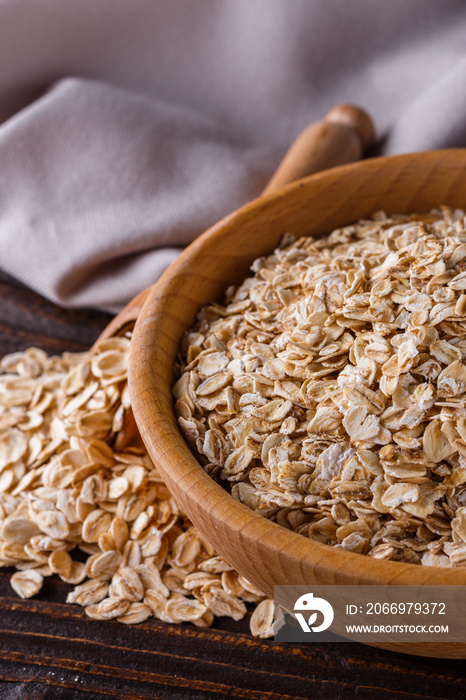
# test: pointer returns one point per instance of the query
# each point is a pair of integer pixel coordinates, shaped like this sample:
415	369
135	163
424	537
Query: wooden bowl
262	551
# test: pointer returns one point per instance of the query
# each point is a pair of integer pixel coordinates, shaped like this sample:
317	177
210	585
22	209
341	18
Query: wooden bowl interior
265	553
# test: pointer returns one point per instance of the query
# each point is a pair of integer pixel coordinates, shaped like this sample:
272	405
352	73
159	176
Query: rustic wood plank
27	319
53	651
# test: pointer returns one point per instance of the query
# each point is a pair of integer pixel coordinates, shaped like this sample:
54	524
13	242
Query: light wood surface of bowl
264	552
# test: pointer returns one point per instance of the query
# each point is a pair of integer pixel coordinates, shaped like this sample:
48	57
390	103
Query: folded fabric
101	188
130	126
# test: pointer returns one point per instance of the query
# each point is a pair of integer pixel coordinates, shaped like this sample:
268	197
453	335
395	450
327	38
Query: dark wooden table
52	650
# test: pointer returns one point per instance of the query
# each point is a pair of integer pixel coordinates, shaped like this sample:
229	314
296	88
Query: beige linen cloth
127	127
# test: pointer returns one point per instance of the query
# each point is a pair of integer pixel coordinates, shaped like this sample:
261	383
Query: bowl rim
162	436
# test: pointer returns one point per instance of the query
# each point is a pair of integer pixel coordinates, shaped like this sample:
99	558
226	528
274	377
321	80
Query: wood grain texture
52	651
28	319
265	553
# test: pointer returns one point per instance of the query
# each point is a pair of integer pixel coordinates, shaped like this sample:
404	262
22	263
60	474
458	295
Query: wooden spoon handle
342	137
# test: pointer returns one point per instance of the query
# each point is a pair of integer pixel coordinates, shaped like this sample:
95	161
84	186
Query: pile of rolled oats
329	391
69	484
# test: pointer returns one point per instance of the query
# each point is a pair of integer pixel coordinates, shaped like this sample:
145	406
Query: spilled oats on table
328	391
71	487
